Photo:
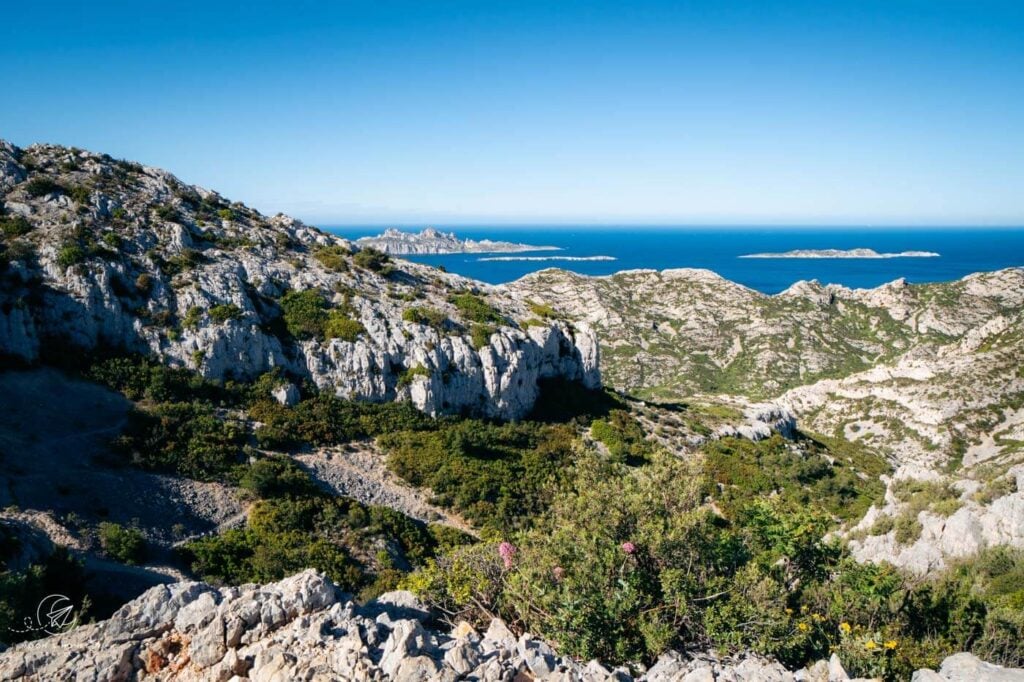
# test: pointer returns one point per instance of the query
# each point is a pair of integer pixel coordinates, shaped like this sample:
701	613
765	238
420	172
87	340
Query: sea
610	249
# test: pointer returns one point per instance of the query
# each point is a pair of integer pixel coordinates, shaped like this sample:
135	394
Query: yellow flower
803	627
818	617
789	612
870	644
845	627
891	644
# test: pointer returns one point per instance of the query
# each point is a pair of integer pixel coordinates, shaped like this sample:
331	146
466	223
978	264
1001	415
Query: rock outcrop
303	628
100	253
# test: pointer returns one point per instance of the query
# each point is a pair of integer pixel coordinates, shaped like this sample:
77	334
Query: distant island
431	241
537	258
842	253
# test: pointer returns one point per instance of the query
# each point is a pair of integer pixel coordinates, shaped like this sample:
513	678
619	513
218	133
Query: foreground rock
303	628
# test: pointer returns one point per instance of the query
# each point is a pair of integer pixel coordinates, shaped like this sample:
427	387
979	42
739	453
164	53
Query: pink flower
628	547
508	552
558	572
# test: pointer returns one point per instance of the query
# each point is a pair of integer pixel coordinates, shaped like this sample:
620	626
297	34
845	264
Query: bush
409	375
227	311
186	438
15	226
473	308
480	335
328	420
305	313
167	212
372	259
126	545
430	317
41	186
623	437
183	261
543	310
272	477
70	254
339	326
908	528
225	214
333	257
289	534
497	476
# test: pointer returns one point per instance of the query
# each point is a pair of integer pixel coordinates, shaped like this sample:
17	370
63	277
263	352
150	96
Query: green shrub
305	313
473	308
938	497
224	312
15	226
908	528
272	477
185	260
167	212
497	476
41	186
818	476
225	214
187	438
70	254
126	545
480	335
430	317
333	257
325	419
339	326
543	310
192	318
288	534
623	437
372	259
113	240
409	375
81	195
882	525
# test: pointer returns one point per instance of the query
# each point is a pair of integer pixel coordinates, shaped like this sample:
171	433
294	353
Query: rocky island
431	241
842	253
237	447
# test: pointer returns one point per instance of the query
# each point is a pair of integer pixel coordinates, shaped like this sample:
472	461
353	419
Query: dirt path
358	470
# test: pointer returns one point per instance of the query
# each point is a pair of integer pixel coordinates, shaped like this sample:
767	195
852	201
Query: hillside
205	393
112	254
927	376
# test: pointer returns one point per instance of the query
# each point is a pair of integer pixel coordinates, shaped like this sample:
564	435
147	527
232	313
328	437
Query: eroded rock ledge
304	628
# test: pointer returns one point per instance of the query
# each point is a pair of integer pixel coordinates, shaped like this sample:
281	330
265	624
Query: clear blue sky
885	111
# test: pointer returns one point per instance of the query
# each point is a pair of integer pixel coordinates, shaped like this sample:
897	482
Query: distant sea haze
758	257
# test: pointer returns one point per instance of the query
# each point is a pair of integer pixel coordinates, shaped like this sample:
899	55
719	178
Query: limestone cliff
101	254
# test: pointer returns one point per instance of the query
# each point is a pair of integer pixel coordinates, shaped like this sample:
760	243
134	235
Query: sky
474	112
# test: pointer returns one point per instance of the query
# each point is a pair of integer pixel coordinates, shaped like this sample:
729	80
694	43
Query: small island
432	241
842	253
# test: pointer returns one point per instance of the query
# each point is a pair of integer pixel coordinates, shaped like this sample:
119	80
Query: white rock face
304	628
152	266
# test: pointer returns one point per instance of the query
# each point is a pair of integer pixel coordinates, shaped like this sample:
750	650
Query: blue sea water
962	251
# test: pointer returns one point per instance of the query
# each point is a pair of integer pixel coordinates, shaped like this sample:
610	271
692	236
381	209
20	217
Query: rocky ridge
100	253
303	628
431	241
928	376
